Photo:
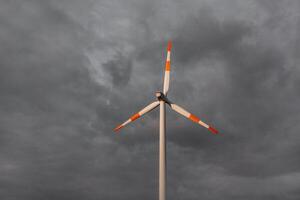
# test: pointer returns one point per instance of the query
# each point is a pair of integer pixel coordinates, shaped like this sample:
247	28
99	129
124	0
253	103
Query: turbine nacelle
161	97
159	94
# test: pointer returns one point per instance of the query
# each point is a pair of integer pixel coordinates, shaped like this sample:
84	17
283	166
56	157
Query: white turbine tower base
162	100
162	151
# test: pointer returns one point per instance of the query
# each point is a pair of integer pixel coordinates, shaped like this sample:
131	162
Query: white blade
167	69
138	114
192	117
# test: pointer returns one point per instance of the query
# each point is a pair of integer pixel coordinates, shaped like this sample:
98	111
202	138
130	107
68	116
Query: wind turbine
162	100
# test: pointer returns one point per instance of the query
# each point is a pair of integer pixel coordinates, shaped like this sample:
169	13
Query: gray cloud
119	69
70	72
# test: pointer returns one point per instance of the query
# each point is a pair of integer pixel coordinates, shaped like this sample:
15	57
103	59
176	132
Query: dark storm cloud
45	96
253	103
203	34
71	71
119	68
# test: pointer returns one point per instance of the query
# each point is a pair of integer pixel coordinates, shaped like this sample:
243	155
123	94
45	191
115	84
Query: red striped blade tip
169	46
213	130
118	128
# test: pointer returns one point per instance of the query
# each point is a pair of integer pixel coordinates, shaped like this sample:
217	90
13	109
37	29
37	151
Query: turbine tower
162	100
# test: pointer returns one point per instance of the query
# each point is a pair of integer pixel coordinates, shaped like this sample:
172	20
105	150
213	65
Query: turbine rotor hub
161	97
159	94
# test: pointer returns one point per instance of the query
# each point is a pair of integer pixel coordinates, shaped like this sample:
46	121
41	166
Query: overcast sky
70	71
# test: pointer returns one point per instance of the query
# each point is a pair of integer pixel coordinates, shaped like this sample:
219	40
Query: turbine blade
192	117
167	69
137	115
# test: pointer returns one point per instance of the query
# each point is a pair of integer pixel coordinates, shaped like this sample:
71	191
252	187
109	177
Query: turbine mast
162	150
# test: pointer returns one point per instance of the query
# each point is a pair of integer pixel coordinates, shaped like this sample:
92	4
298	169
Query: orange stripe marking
194	118
168	66
135	116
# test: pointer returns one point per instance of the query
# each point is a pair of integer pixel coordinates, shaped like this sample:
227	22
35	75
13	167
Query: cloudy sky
70	71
